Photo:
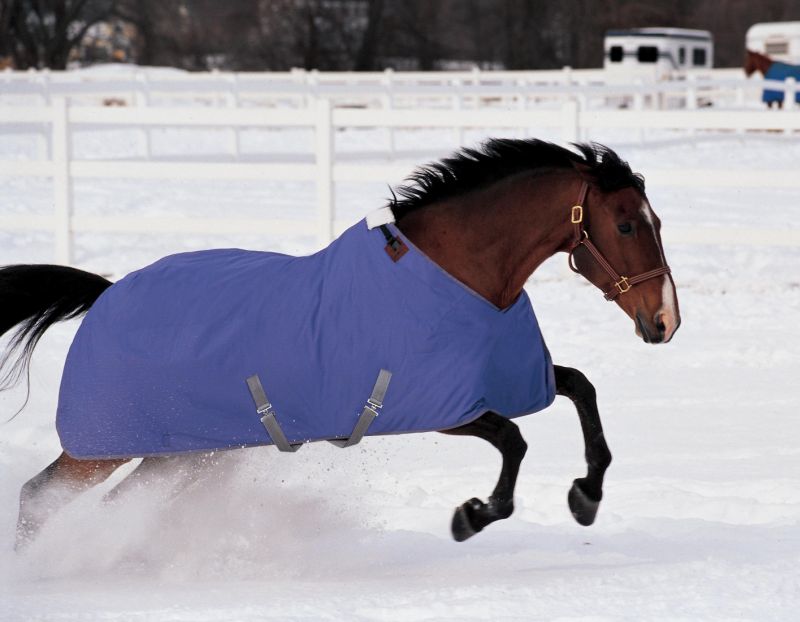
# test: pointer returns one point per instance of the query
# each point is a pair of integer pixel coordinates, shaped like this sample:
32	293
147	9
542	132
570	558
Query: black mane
471	169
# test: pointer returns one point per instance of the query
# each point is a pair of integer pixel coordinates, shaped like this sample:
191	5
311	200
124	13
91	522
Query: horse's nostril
659	322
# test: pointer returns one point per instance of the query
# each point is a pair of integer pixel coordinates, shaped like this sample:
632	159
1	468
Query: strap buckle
368	414
577	214
268	418
623	285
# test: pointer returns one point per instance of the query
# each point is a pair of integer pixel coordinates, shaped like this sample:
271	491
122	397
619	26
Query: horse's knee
572	383
512	441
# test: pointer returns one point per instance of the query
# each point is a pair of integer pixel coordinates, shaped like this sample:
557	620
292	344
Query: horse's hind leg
181	471
586	492
472	516
56	486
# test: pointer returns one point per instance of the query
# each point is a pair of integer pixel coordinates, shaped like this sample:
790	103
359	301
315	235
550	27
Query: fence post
570	122
47	85
457	101
232	101
142	99
691	92
62	186
789	93
476	84
638	104
311	82
324	134
387	101
298	76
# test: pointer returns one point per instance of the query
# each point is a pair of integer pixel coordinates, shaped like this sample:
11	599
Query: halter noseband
622	284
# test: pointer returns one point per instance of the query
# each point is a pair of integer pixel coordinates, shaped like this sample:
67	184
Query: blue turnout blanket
780	71
160	363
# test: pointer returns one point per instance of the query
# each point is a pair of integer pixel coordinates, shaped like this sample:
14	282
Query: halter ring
623	285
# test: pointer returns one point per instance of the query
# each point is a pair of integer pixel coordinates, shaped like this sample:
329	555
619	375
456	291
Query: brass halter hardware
622	284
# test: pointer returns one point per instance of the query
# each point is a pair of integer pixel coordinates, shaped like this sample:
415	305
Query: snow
701	516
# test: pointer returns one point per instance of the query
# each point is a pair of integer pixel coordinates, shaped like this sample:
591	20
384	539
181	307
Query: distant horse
771	70
428	289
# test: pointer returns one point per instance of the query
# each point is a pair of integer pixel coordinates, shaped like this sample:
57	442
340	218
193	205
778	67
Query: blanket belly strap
270	422
264	408
369	412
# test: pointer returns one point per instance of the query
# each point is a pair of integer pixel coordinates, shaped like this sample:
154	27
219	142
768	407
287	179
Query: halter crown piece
622	284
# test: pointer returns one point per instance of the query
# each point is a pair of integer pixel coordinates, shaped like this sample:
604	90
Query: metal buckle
577	214
622	285
373	405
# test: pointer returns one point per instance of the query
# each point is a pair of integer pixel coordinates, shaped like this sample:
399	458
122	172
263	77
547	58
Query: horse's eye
625	228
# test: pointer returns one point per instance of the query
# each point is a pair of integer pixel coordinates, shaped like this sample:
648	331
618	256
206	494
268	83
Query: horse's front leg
472	516
586	492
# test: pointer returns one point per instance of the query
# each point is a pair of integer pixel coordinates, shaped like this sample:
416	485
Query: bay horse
771	70
483	219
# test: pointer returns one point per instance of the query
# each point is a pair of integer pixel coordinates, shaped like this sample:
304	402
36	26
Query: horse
472	228
771	70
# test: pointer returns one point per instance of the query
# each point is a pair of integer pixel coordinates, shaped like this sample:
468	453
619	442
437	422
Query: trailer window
776	47
681	55
698	57
615	54
647	54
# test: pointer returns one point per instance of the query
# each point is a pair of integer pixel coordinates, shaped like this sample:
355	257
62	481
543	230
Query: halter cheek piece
622	284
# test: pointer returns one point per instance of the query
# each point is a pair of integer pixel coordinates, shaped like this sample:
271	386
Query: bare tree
43	33
367	56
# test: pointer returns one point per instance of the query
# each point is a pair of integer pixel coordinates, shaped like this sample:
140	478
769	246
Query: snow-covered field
701	519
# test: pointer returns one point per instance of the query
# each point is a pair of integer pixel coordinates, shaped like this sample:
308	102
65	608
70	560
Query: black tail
35	298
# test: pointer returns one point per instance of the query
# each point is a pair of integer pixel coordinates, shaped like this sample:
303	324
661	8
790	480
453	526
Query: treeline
364	34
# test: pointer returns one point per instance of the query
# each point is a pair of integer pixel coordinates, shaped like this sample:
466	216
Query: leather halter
622	284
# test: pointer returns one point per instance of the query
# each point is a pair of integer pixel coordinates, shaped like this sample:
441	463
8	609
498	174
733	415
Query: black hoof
583	507
463	526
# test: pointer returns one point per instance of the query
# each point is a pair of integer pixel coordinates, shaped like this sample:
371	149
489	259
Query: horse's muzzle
659	330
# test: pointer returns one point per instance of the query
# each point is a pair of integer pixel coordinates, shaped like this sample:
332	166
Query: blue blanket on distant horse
781	71
159	364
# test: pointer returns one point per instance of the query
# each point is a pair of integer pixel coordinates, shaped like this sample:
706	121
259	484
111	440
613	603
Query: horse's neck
493	239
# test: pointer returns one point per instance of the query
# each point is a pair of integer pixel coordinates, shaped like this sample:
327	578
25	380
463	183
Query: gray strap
264	408
370	411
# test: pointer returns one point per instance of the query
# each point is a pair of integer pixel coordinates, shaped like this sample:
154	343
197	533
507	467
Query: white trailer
656	53
778	40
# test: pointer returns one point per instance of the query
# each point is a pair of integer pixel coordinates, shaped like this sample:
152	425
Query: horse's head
754	61
617	247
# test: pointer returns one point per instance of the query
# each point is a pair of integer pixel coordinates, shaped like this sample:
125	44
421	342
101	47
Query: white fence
388	89
571	118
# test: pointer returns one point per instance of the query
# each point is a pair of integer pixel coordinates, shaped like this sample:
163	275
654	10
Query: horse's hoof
583	507
463	527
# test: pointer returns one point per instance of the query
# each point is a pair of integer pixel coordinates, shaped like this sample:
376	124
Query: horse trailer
656	53
778	40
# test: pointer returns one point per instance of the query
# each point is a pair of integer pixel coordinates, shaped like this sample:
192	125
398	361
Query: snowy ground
701	518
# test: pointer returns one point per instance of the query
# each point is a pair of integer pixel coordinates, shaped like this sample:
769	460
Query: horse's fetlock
602	460
501	508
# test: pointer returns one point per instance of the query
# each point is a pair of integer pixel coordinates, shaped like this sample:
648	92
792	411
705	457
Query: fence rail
325	171
387	89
